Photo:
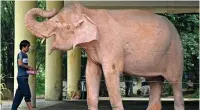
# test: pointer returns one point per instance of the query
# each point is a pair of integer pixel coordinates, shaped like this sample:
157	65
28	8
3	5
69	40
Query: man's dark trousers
23	90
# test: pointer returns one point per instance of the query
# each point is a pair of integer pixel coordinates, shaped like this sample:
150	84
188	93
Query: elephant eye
68	26
57	21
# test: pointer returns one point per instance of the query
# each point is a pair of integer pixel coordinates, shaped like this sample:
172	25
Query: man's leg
17	99
29	105
27	94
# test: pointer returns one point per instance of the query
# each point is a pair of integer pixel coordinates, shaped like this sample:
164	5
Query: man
23	89
129	85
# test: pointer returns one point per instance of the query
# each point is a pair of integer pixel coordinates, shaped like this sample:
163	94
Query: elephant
132	41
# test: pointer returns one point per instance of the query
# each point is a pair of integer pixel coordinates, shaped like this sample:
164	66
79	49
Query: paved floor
128	105
40	103
104	104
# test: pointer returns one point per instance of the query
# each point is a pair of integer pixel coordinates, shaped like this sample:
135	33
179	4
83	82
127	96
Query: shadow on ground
128	105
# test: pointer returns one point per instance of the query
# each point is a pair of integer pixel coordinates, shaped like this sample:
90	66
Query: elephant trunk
35	27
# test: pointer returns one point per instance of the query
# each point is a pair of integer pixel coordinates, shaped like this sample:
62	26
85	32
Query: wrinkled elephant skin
132	41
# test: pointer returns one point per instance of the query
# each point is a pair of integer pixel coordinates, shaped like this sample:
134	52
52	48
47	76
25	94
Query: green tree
7	42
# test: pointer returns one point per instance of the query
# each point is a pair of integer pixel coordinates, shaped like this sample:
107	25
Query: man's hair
24	43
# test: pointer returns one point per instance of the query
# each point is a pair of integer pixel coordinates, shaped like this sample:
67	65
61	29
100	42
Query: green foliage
40	83
41	4
195	95
167	89
7	42
190	45
7	37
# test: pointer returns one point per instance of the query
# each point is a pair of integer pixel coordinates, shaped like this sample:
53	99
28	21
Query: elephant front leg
93	76
112	74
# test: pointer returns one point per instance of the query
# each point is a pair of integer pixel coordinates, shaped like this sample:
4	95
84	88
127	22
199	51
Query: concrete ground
40	103
104	104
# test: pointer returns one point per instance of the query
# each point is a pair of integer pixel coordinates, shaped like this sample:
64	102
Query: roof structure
155	6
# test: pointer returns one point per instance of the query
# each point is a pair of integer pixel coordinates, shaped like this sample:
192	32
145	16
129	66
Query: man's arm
20	63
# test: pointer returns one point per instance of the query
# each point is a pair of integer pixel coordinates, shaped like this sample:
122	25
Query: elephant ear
86	31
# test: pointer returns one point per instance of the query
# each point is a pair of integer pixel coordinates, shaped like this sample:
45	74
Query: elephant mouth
43	40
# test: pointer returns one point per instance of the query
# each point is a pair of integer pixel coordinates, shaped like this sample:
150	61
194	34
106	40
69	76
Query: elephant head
70	27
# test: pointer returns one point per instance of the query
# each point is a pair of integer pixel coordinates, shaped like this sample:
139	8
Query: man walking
23	89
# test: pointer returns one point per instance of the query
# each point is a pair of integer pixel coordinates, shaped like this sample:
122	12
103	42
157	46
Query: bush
40	84
3	89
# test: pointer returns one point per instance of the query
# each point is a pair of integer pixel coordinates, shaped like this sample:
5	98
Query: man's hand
31	68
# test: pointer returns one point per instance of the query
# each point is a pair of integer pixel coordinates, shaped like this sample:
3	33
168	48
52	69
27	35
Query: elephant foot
156	106
179	107
117	107
92	108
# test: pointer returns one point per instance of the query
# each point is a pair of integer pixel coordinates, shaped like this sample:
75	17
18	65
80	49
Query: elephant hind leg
174	77
178	96
177	92
155	92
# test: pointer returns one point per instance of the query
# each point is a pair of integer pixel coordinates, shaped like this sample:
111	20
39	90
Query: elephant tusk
43	40
51	51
